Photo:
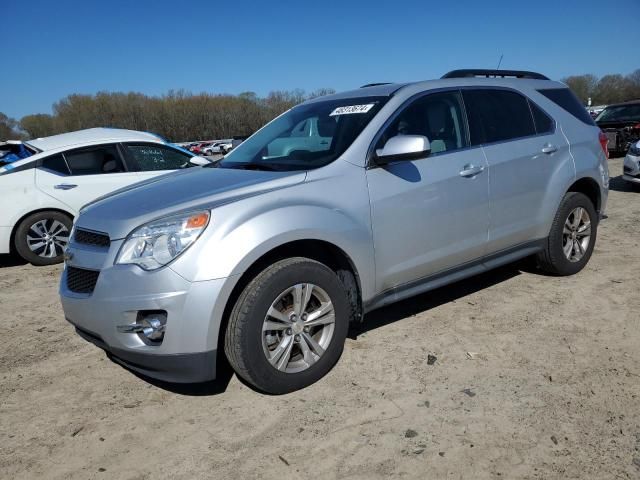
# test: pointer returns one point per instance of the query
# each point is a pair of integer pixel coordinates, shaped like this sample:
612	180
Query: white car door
78	176
153	159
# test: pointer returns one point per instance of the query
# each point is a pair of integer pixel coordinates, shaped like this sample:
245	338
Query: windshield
307	136
621	113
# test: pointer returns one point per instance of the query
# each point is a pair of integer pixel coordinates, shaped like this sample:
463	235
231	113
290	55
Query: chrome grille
91	238
80	280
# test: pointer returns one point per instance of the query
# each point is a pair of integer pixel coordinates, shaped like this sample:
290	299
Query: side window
564	98
497	115
544	123
158	157
437	116
56	164
95	161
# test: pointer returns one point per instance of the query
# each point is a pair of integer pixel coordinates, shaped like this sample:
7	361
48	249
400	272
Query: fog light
153	328
150	326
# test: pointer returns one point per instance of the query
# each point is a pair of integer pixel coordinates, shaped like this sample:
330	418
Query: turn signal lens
197	221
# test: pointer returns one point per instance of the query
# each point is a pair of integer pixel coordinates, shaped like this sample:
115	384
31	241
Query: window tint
565	98
497	115
437	116
56	164
157	157
544	123
95	161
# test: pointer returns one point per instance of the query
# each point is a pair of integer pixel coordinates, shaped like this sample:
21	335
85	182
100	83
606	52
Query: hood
191	189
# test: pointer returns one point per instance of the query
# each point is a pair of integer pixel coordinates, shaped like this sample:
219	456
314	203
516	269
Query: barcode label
352	109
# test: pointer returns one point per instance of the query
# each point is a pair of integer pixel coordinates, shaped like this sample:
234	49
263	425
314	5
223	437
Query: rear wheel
41	238
288	326
572	236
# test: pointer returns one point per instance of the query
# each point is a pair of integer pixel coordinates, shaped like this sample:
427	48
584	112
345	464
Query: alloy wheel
298	328
576	234
48	238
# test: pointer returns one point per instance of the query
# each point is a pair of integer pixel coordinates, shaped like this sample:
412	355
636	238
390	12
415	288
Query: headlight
634	149
155	244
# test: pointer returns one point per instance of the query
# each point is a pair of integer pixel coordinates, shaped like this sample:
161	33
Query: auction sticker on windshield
352	109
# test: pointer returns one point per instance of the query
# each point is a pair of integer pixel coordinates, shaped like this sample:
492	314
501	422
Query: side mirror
403	147
199	161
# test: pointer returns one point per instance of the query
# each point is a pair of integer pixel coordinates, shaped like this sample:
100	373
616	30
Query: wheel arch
589	187
321	251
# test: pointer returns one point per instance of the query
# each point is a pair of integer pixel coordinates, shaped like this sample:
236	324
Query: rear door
153	159
524	149
79	176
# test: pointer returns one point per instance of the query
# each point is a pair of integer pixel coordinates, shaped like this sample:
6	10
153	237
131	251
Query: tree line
177	115
183	116
613	88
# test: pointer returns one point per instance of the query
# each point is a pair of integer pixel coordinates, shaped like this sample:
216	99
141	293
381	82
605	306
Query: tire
37	226
247	346
554	259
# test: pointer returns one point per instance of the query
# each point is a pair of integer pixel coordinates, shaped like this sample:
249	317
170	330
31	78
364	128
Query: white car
218	147
631	168
43	193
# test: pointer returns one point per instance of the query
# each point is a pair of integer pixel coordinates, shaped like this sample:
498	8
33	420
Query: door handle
549	149
64	186
471	170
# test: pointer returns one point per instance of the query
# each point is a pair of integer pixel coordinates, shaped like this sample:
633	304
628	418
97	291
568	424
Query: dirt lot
535	377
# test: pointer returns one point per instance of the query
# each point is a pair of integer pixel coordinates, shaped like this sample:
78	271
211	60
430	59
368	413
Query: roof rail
375	84
477	72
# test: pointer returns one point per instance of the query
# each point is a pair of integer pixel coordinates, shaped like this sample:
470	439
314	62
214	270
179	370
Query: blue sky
53	48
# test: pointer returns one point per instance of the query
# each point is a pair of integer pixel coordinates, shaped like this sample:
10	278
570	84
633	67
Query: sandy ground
535	377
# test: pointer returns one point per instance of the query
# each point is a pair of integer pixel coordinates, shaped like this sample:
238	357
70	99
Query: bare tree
8	128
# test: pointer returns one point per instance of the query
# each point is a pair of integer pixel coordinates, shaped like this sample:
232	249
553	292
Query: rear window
497	115
564	98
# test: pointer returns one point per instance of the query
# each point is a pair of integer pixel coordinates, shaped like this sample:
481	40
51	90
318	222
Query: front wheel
288	326
41	238
572	236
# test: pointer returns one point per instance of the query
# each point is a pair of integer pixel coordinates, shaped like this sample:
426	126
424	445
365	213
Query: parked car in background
14	150
197	148
218	147
631	166
237	140
42	193
271	254
621	124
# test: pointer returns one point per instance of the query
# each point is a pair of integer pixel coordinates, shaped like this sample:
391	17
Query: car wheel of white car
41	238
288	326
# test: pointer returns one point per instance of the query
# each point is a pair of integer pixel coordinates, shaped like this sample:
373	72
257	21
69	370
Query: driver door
431	214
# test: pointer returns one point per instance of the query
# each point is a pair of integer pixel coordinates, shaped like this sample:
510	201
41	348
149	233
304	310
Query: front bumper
194	311
631	168
175	368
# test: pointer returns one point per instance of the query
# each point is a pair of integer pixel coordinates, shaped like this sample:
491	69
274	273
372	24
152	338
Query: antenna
500	61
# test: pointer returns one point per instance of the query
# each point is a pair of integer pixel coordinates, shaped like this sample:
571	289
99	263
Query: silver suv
269	254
